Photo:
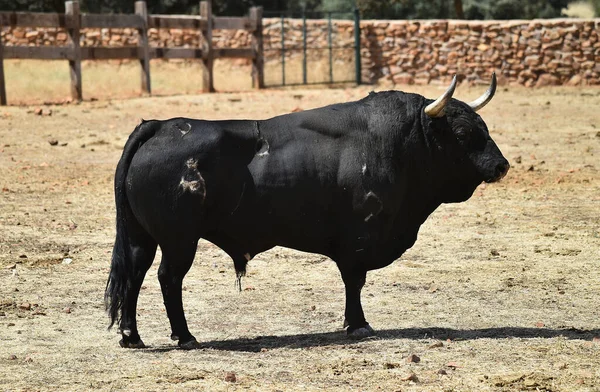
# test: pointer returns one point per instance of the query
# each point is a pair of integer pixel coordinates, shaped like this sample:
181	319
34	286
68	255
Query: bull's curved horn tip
486	97
437	107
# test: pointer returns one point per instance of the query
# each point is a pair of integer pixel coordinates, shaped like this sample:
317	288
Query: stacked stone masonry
530	53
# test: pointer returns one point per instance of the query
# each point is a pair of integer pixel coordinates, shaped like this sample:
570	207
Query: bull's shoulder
383	114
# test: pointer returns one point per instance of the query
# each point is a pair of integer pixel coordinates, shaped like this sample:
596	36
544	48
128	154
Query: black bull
351	181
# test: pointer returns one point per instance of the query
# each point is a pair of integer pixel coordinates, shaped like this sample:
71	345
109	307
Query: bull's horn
436	108
486	97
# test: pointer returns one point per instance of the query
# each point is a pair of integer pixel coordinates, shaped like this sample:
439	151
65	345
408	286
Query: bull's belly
259	229
344	237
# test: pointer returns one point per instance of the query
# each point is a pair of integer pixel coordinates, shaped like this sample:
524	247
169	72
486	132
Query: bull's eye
462	134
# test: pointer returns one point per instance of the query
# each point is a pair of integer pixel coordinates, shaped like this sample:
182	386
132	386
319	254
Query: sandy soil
500	293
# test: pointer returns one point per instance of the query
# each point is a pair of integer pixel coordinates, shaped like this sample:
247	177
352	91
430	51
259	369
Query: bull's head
470	156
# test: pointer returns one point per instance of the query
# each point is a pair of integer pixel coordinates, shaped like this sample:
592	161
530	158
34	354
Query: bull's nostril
502	169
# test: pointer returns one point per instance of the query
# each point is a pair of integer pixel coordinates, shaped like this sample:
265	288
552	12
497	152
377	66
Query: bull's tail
121	270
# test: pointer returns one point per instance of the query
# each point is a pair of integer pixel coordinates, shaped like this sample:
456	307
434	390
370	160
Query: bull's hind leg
142	249
176	262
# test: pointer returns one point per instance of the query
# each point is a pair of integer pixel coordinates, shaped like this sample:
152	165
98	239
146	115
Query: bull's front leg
354	280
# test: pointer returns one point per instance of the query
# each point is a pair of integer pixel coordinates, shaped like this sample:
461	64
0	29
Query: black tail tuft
118	282
119	279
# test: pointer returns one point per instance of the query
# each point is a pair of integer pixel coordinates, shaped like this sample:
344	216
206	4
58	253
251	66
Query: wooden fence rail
73	21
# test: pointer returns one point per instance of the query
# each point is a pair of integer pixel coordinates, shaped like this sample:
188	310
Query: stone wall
530	53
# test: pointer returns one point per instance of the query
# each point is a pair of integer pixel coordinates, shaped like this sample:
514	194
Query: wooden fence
73	21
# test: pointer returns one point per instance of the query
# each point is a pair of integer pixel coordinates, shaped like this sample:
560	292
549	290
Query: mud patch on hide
192	164
372	205
191	186
262	145
192	181
184	128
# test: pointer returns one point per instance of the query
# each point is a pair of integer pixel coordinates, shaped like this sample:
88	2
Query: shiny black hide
352	181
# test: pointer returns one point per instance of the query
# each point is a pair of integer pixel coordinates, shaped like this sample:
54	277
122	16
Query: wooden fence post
2	83
72	10
207	47
142	11
258	72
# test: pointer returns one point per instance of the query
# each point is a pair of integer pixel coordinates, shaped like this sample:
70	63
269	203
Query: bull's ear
486	97
437	107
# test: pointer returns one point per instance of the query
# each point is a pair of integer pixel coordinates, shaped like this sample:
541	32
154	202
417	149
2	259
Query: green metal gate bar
282	50
329	43
357	62
304	48
304	70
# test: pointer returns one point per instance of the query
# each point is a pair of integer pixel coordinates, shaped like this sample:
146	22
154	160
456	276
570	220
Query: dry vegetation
499	293
580	9
40	81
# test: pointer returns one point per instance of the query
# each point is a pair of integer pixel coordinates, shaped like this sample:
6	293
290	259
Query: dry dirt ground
500	293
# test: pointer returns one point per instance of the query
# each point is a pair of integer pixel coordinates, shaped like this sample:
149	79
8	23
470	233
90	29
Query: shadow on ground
340	338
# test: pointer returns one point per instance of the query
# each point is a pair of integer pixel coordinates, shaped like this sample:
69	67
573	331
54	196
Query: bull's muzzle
499	171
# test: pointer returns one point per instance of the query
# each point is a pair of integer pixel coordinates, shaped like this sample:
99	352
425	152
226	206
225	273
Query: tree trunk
458	6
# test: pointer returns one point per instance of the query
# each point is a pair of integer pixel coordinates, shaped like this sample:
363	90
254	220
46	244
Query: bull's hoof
191	344
361	333
127	343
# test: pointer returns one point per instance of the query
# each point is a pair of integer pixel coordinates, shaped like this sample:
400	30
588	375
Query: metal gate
312	48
